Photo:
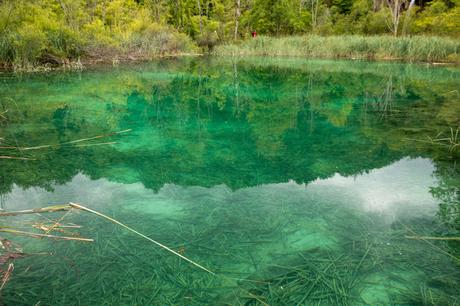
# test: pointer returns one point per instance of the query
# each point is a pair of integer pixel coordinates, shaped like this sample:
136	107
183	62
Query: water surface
297	182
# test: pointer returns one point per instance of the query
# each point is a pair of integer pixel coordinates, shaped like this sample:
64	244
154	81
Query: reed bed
414	48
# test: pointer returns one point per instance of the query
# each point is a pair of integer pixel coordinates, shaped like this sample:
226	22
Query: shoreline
114	60
87	62
106	62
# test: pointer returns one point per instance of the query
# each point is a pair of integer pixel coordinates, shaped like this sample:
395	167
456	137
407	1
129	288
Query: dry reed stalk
57	223
431	244
96	144
53	208
16	157
68	142
97	137
432	238
2	115
7	275
36	235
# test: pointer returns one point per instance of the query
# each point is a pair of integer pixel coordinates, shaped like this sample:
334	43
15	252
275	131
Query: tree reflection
201	122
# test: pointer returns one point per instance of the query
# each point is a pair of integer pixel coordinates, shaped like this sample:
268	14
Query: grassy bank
415	48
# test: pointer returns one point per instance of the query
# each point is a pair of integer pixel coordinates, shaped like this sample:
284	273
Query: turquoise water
297	182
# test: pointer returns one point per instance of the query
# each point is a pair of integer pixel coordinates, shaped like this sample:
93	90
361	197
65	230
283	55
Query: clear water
296	181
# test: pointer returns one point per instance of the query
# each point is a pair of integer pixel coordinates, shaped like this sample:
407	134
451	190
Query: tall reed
415	48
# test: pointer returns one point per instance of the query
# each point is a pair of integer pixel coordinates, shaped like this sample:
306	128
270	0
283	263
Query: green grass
415	48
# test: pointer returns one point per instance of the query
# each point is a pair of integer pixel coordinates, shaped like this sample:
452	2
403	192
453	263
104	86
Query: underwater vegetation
295	182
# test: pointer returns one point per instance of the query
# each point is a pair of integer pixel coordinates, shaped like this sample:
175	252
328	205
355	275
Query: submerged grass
351	276
234	239
415	48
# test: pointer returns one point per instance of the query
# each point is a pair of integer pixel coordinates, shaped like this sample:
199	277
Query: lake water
297	182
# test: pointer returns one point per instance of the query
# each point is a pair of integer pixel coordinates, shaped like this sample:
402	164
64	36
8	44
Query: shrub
28	44
155	39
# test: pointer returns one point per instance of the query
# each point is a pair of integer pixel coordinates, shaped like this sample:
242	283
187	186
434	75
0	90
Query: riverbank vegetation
66	32
416	48
34	33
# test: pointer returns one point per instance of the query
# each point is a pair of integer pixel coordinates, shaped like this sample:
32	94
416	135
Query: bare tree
397	8
314	13
237	17
407	18
201	17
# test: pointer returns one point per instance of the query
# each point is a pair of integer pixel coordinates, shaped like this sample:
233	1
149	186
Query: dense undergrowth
42	33
416	48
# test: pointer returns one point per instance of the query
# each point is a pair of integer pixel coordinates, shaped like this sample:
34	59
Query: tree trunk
395	7
314	12
396	17
201	18
406	19
237	17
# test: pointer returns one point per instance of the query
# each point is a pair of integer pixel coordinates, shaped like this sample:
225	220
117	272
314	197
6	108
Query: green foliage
277	17
28	45
32	32
51	32
439	19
